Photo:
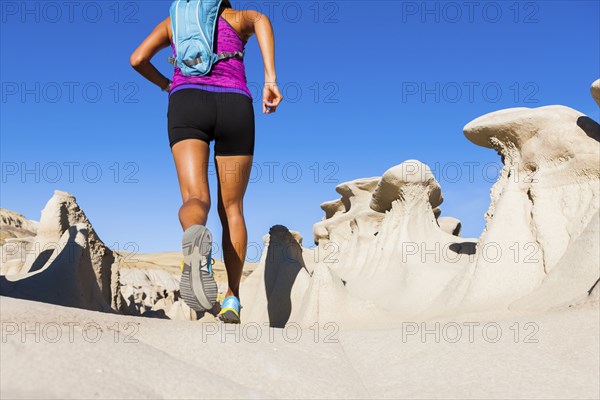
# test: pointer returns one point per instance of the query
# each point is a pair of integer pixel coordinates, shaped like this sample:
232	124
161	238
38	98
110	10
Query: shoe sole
229	317
198	288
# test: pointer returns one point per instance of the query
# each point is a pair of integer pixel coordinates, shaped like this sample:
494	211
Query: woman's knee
231	211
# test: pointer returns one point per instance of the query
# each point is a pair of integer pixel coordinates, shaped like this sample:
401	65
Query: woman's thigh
233	174
191	161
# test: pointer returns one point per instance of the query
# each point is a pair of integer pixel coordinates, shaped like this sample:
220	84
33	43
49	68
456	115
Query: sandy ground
49	351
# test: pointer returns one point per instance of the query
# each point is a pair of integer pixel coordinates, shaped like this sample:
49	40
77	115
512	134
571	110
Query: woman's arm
259	24
140	59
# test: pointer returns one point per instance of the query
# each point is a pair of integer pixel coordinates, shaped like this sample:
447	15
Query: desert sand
391	303
179	359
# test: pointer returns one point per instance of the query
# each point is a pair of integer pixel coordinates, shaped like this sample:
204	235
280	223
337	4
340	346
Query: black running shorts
226	118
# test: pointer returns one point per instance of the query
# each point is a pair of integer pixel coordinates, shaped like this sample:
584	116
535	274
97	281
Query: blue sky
368	85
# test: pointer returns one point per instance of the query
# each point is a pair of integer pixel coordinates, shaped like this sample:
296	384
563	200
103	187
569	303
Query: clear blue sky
368	84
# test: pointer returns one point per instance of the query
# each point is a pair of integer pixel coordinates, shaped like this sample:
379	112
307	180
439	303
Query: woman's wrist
270	79
167	88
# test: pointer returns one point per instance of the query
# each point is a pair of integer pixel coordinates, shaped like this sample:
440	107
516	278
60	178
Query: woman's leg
191	161
233	174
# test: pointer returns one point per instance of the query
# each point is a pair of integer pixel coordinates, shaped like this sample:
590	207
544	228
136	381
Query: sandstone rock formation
66	263
595	89
384	252
152	290
16	232
544	207
14	225
62	260
384	246
361	268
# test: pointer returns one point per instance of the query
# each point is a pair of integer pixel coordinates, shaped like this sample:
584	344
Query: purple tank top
228	75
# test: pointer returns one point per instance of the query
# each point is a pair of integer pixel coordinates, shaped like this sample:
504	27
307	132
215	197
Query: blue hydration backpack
194	23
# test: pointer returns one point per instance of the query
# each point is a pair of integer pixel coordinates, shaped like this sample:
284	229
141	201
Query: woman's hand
271	98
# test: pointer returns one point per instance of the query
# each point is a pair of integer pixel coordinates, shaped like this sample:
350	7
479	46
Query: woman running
217	106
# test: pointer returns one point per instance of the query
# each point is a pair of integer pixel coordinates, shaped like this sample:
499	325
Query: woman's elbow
136	60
